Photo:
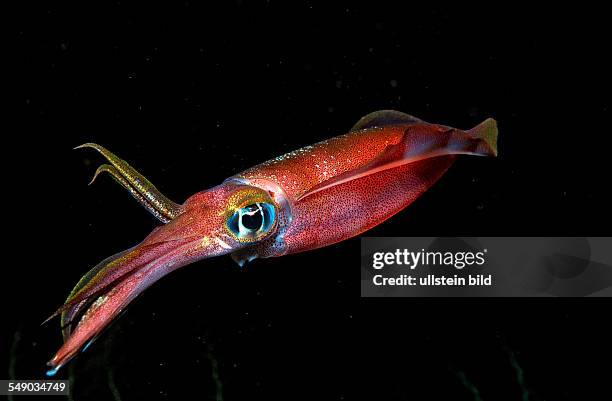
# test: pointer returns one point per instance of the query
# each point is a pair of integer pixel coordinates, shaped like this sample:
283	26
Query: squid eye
252	221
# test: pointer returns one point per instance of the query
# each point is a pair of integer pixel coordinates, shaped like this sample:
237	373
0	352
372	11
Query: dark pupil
252	219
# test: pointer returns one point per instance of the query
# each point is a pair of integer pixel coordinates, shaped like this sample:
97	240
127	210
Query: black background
191	94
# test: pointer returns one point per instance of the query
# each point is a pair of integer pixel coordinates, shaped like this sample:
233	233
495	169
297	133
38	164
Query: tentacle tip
48	319
51	372
102	168
93	179
55	365
86	145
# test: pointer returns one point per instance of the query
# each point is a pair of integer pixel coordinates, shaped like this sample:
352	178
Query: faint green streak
468	385
520	375
13	358
214	365
110	375
110	372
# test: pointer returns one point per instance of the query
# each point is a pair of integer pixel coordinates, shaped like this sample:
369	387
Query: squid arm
104	274
136	184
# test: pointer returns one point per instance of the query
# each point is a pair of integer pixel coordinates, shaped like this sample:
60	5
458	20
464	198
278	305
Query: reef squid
306	199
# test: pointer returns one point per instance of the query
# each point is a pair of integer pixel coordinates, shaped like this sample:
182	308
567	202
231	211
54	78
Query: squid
310	198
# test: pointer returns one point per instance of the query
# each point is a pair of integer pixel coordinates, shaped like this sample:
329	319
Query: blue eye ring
252	222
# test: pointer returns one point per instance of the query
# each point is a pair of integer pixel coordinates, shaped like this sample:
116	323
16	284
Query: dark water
193	94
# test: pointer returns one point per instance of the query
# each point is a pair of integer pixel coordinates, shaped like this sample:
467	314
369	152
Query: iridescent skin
320	194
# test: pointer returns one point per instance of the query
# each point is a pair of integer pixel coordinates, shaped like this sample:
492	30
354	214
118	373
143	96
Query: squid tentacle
138	186
99	278
107	168
68	315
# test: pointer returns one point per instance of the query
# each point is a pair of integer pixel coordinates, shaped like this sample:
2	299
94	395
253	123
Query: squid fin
419	142
383	118
487	132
